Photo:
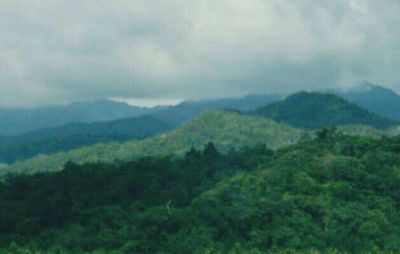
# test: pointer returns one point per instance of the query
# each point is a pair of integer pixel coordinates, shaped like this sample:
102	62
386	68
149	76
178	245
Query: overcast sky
58	51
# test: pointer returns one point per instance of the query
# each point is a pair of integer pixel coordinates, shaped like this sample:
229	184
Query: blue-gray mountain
316	110
76	135
377	99
188	110
17	121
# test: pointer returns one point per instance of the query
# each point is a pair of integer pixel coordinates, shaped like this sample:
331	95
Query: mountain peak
377	99
369	87
316	110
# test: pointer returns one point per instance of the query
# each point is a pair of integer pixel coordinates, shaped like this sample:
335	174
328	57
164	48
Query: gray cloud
61	51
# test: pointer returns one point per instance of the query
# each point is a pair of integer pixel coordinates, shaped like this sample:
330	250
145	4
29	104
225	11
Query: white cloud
59	51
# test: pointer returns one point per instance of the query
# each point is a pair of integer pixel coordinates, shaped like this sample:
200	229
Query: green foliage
227	130
332	194
317	110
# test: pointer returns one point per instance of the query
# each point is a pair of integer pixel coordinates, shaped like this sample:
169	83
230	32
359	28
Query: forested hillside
83	126
227	129
302	110
316	110
333	194
76	135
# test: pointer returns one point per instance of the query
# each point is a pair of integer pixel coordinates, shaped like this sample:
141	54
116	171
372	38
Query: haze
54	52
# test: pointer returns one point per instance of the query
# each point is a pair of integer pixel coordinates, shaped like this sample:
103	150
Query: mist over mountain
17	121
377	99
199	127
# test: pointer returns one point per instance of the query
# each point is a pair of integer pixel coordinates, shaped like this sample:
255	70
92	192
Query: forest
331	193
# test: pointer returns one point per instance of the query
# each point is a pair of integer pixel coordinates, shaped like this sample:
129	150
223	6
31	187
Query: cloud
61	51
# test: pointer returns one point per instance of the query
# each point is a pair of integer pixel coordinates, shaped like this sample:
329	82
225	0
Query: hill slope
76	135
376	99
17	121
226	129
316	110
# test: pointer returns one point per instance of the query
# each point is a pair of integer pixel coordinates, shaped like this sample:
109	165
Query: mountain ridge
76	135
313	110
228	130
17	121
377	99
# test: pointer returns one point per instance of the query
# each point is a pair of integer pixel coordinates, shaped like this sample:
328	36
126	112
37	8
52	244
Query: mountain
377	99
313	110
76	135
17	121
228	130
188	110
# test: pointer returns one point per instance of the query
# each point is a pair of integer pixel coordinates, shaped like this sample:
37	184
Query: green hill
228	130
316	110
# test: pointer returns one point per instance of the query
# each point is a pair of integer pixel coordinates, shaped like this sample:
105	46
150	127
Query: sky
56	52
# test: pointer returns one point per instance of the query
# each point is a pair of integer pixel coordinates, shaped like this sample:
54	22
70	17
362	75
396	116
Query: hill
76	135
316	110
84	132
188	110
228	130
329	195
17	121
376	99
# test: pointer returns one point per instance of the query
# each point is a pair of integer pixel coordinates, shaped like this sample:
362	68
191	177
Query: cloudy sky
68	50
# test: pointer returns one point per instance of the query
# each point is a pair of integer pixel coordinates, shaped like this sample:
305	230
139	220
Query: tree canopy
329	194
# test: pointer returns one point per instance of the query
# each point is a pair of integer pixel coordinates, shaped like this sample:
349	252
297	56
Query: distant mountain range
377	99
312	110
18	121
302	110
76	135
228	130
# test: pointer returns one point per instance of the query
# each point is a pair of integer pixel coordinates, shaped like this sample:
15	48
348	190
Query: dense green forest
228	130
317	110
329	194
